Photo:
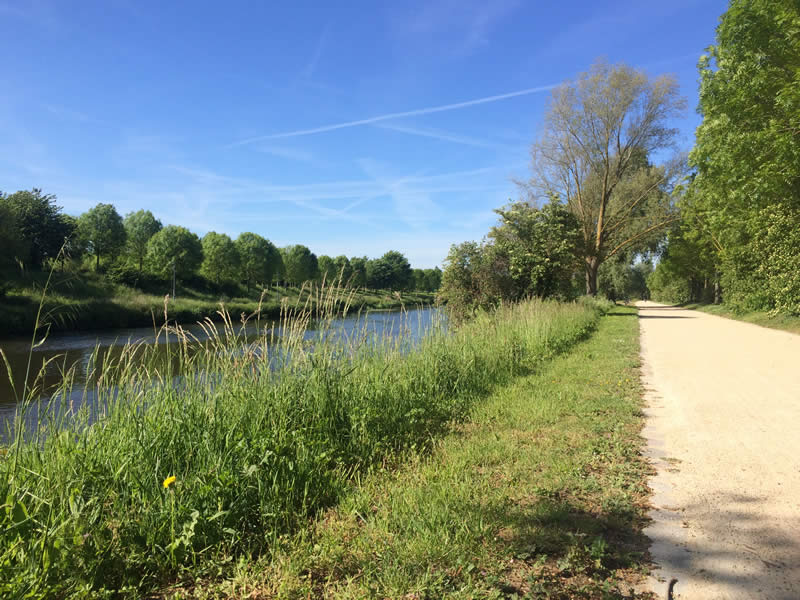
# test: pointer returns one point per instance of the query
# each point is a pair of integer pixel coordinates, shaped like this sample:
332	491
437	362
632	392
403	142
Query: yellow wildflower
169	481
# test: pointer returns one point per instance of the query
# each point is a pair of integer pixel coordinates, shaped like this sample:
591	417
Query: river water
61	351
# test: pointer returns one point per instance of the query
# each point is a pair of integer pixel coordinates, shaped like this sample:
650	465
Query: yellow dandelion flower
169	481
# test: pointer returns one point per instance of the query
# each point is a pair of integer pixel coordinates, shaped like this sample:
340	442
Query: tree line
35	233
738	241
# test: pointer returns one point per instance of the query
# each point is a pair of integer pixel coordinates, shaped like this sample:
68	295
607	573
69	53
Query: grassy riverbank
178	483
790	323
88	301
541	494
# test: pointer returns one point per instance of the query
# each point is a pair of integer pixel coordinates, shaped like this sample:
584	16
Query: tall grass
186	465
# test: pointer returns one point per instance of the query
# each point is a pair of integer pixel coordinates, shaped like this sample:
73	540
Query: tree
541	248
399	271
11	241
344	271
746	153
102	229
174	247
41	225
599	133
220	258
359	266
433	279
379	274
418	279
259	259
140	226
300	264
327	268
475	276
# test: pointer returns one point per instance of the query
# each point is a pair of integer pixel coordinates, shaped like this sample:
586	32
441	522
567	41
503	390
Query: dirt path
723	429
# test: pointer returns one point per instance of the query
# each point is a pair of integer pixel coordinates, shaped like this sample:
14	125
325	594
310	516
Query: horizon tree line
34	233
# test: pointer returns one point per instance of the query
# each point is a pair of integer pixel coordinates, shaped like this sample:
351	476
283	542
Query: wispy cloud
69	114
444	136
397	115
288	153
311	66
458	27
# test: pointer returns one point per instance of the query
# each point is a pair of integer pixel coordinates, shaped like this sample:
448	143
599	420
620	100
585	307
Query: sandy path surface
723	430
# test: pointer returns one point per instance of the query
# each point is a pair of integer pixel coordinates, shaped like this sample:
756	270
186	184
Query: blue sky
351	127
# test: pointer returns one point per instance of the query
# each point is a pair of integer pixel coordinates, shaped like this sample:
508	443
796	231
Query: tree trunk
717	290
592	265
97	262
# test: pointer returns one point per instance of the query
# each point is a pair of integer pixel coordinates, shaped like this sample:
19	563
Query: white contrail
397	115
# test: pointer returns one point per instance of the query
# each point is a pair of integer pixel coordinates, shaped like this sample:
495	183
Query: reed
175	468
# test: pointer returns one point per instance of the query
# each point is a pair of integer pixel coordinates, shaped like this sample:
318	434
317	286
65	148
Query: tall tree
102	229
41	224
746	153
14	247
379	274
400	277
174	248
300	264
359	275
343	269
140	226
433	279
599	132
327	268
259	259
221	260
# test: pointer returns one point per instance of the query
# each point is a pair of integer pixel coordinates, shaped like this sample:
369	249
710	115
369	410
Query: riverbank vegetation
738	240
112	272
83	300
541	494
181	478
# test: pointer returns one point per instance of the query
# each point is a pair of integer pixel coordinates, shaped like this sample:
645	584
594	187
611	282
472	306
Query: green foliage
624	279
11	239
469	281
167	482
102	229
343	269
326	268
390	271
41	225
300	264
259	259
174	246
540	496
746	154
531	252
541	246
221	262
359	266
140	226
599	134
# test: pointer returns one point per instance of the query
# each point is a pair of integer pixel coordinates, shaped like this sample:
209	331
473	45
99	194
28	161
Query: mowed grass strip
782	321
541	495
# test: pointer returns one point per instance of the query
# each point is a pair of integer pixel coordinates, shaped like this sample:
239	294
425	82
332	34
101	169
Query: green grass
260	440
85	300
790	323
541	494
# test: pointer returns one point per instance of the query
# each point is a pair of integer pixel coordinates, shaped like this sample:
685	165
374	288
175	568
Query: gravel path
723	431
